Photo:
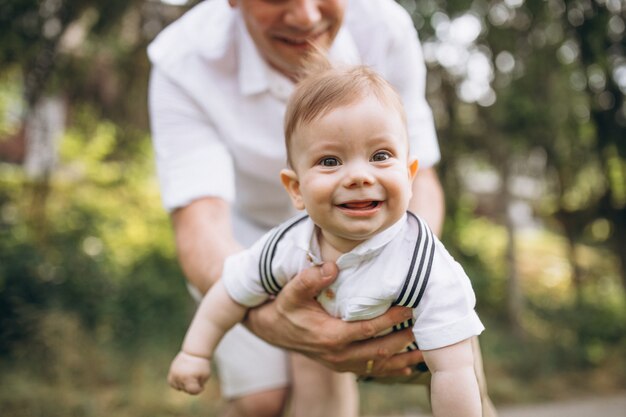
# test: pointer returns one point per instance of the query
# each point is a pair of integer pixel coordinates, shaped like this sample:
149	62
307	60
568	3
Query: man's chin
295	61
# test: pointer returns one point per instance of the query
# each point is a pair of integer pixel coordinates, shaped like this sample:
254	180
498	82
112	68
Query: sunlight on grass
69	373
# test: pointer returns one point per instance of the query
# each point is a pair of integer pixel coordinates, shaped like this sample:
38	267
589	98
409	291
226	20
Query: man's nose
303	14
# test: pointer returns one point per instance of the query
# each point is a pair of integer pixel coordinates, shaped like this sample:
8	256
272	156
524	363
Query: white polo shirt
217	108
371	278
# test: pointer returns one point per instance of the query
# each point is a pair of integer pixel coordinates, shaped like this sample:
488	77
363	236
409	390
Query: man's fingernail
382	352
327	270
407	313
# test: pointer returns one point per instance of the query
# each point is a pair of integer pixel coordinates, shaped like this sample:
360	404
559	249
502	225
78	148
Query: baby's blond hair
323	88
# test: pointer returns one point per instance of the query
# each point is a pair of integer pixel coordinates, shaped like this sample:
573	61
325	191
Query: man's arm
428	200
204	239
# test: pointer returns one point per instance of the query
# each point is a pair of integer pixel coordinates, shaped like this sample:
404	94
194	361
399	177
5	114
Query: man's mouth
300	41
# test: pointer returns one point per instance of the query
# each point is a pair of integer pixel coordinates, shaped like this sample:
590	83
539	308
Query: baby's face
351	171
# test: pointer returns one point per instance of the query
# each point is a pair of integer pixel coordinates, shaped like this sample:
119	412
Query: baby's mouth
360	205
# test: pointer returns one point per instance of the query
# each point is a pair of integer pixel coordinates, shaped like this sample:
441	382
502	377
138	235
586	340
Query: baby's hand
189	373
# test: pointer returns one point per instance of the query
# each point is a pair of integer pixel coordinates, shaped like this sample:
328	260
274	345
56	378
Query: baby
349	168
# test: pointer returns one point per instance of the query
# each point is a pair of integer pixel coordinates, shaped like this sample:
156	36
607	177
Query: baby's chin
354	237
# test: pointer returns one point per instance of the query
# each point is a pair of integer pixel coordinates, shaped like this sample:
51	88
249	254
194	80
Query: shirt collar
257	76
376	243
307	241
252	67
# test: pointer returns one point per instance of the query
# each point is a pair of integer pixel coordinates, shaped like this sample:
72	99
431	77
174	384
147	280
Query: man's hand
296	321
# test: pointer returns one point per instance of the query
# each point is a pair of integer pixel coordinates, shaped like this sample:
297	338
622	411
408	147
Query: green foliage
92	304
100	248
560	97
478	244
10	105
583	335
27	25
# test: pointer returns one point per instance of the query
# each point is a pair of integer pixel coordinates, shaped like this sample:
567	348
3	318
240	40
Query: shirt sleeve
446	315
405	69
241	276
191	160
242	271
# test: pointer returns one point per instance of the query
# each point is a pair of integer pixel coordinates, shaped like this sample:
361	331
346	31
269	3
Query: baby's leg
253	375
261	404
320	392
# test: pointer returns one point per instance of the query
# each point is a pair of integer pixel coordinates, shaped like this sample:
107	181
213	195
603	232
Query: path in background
593	407
614	406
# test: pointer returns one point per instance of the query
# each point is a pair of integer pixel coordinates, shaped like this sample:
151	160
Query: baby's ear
413	167
290	181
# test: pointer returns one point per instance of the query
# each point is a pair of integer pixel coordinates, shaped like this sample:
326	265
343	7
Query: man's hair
324	88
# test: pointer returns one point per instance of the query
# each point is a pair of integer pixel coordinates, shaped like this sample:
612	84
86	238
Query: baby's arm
217	314
454	389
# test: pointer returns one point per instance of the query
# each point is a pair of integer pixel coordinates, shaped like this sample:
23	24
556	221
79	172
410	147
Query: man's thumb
311	281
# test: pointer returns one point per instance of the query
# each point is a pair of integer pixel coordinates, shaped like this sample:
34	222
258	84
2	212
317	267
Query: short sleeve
241	276
191	160
405	69
446	314
242	272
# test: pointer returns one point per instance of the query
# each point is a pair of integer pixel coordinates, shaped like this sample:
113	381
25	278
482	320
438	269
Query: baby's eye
329	161
381	156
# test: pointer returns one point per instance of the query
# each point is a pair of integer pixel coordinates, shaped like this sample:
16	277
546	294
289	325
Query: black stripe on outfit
417	278
414	283
268	280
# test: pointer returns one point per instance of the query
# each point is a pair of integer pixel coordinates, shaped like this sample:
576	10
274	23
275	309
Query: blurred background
528	97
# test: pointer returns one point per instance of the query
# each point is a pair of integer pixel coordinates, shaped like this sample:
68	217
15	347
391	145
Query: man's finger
378	349
310	282
366	329
397	365
399	362
392	343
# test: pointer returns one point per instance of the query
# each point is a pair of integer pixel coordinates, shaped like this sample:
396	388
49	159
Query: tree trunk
577	276
45	123
44	127
515	299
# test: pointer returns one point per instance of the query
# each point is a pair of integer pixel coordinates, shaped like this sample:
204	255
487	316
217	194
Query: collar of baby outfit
306	240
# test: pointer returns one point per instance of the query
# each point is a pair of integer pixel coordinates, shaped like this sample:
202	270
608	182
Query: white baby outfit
403	265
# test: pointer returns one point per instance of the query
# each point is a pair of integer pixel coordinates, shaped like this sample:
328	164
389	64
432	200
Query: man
220	81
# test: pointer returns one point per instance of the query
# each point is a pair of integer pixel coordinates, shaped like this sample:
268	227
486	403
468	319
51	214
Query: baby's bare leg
320	392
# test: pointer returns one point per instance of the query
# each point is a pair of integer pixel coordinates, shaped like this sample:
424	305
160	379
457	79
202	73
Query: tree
553	80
